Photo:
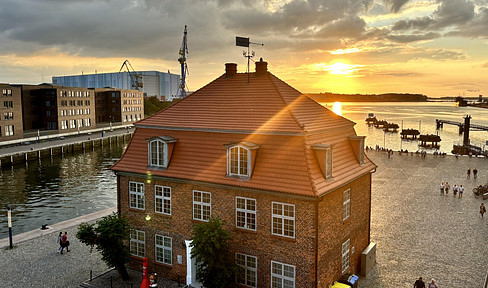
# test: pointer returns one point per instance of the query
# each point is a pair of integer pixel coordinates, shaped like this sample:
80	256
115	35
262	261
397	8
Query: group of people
475	173
455	189
420	284
63	242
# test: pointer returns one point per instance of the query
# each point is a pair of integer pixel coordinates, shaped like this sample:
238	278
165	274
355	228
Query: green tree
211	250
109	237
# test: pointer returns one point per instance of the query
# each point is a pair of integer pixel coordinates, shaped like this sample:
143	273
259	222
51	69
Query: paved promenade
418	232
421	233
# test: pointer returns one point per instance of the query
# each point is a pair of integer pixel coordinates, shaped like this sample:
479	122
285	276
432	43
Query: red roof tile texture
266	111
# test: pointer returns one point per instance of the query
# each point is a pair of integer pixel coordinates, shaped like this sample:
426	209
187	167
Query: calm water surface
414	115
58	189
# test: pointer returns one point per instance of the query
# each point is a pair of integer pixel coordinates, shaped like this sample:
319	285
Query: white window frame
247	269
160	250
201	205
159	162
328	163
138	245
138	194
162	199
247	213
281	278
346	248
346	204
282	219
230	161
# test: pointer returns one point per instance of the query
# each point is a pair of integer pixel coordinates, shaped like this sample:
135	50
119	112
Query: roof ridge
300	125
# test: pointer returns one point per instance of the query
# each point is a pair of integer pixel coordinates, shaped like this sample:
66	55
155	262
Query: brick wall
333	231
260	243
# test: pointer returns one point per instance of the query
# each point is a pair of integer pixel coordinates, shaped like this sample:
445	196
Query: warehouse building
154	83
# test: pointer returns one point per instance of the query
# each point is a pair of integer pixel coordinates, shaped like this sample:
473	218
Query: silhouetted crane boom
136	81
184	68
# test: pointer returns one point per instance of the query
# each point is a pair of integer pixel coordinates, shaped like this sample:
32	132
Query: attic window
240	159
324	155
160	150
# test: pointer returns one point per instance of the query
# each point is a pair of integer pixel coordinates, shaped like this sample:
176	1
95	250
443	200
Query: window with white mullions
202	203
162	201
283	219
346	204
138	243
136	195
345	255
282	275
246	213
158	153
247	270
239	161
163	249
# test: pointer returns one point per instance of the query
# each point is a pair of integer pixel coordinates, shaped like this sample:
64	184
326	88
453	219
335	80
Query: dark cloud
413	37
395	5
420	23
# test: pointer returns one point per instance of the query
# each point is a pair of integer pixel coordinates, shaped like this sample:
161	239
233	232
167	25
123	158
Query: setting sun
338	68
337	108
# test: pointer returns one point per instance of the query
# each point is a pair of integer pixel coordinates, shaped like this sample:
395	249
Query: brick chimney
230	70
261	67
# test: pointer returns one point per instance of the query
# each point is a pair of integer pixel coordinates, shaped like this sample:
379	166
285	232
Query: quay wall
63	149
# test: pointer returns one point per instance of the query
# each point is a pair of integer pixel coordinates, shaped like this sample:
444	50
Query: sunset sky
437	48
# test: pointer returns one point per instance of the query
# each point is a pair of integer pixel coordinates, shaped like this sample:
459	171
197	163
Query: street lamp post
111	129
9	216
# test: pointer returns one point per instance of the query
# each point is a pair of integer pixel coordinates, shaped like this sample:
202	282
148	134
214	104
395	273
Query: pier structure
413	133
466	148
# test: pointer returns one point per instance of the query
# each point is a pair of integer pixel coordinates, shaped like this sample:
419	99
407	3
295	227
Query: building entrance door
191	267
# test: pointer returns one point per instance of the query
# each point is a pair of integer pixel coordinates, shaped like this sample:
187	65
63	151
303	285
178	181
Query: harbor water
58	188
414	115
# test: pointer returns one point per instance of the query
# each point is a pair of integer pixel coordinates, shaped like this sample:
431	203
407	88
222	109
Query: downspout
317	241
118	194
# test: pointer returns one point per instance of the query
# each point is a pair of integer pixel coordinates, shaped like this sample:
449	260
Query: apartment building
119	105
289	177
11	112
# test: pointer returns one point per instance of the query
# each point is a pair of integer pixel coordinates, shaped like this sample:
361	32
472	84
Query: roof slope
264	105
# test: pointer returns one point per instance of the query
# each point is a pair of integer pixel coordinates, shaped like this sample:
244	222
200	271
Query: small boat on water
390	127
371	120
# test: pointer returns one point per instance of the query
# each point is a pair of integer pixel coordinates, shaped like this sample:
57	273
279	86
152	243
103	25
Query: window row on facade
132	108
8	116
130	94
65	93
75	123
282	274
131	117
8	130
130	102
72	103
8	104
7	92
73	112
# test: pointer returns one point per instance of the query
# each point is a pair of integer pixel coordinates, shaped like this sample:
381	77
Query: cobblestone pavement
420	233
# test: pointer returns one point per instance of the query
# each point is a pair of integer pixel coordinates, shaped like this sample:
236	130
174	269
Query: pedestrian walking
442	188
475	173
468	173
59	241
482	209
64	242
419	283
447	187
432	284
461	191
455	189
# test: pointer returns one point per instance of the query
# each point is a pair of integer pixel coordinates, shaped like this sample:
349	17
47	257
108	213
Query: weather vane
244	42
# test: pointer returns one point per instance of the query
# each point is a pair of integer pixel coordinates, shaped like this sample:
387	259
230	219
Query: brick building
119	105
11	112
288	176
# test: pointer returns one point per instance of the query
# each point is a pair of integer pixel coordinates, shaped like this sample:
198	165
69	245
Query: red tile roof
266	111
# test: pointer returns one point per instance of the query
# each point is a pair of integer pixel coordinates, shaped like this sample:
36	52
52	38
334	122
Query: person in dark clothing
419	283
475	173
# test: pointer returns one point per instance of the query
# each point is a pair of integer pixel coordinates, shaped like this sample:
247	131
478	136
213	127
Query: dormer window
160	150
357	143
324	155
240	159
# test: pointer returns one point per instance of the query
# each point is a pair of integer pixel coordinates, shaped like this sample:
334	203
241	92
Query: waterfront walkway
418	232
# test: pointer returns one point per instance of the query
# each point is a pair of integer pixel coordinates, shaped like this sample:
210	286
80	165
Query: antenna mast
244	42
184	67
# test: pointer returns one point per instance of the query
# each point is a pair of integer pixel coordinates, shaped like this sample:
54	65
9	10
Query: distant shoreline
388	97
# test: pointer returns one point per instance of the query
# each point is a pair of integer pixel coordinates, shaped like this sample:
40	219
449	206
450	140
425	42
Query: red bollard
145	279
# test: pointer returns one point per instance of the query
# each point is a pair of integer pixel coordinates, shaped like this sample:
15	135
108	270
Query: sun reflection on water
337	108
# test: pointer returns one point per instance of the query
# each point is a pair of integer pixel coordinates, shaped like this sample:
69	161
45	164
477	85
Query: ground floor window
282	275
247	273
163	248
137	243
345	255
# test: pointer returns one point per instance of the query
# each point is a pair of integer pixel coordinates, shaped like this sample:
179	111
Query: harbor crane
136	79
184	67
